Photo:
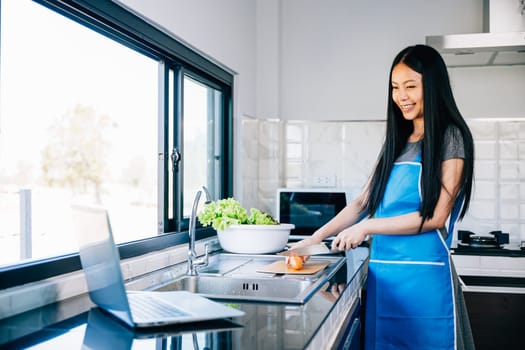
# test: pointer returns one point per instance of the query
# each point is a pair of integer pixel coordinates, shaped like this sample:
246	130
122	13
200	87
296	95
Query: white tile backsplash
483	210
508	150
485	189
509	130
294	133
298	153
294	151
486	149
485	130
509	170
485	169
509	211
509	191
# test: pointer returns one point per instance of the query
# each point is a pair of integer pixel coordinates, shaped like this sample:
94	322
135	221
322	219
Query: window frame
129	29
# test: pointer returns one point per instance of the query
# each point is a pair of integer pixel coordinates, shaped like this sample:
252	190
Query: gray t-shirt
452	147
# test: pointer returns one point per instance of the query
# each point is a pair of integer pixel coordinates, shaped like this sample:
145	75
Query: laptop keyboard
145	307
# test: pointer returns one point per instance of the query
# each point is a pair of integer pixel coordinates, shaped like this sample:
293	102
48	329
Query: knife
306	251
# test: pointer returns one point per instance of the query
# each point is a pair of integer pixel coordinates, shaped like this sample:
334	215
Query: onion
295	262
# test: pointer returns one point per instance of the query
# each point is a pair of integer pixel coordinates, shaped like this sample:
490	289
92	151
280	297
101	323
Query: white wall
335	58
490	92
268	68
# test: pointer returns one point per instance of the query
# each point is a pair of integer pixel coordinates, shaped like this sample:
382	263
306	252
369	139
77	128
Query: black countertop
75	324
510	250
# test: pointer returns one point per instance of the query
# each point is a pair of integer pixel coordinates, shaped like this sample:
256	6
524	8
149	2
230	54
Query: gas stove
495	243
494	239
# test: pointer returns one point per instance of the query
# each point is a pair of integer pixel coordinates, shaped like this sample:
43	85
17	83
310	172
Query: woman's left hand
350	238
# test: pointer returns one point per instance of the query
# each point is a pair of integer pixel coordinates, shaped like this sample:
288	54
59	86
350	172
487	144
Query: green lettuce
225	212
258	217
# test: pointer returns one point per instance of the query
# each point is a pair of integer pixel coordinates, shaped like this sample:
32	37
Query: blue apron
410	296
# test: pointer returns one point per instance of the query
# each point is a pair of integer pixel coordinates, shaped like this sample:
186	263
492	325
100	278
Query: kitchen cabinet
494	290
351	331
497	318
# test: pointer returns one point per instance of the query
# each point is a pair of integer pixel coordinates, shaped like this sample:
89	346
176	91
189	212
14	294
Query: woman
421	184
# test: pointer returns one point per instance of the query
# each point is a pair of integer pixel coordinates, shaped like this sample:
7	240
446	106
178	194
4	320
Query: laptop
101	264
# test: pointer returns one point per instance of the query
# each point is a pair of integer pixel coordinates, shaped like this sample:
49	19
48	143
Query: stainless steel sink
275	290
235	277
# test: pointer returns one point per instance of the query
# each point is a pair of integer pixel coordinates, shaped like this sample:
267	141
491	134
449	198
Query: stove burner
495	239
483	242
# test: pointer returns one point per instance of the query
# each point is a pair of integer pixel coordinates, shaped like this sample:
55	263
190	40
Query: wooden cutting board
281	267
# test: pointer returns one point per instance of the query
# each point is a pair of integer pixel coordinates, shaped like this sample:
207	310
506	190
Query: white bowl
255	239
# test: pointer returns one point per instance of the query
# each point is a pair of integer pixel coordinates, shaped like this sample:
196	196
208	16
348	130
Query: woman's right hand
303	243
350	237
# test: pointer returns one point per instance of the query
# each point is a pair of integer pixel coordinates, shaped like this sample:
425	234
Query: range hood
503	44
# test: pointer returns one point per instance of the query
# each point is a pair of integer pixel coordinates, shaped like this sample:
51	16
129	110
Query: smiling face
407	91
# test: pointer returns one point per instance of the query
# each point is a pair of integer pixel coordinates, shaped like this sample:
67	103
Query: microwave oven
308	208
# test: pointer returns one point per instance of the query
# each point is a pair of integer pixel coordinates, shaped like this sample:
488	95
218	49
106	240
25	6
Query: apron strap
452	221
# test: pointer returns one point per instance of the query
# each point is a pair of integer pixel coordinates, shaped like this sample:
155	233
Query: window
202	106
103	108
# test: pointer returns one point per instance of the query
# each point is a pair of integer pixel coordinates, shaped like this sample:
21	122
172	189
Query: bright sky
48	65
32	70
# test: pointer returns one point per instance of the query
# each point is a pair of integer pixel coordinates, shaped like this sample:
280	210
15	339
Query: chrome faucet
193	262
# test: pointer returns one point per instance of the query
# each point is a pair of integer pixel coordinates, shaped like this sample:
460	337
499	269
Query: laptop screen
100	260
308	209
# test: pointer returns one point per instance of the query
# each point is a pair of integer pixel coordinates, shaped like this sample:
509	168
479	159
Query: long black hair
440	112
